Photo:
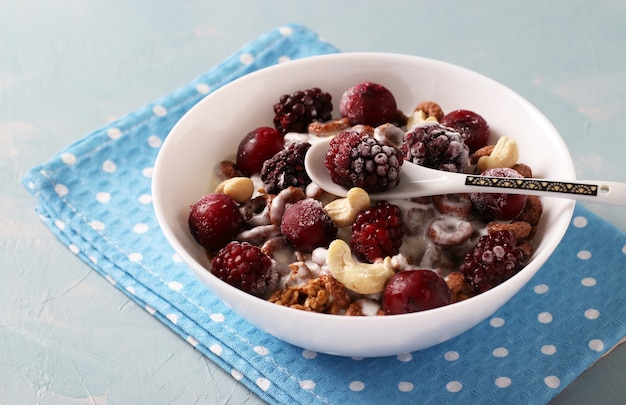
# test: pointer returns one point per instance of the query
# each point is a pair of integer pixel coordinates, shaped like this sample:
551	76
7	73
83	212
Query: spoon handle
603	192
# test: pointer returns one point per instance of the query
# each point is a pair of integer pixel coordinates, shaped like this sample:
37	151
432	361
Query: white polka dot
246	58
203	88
147	172
73	248
262	350
286	31
103	197
217	317
544	317
548	349
624	249
93	259
404	357
592	313
68	158
454	386
357	358
588	281
59	224
109	166
159	110
216	349
175	285
31	185
284	59
596	345
451	356
503	382
110	280
145	198
140	228
309	354
263	383
114	133
97	225
154	141
130	290
307	384
541	288
552	381
357	386
61	190
150	310
580	222
496	322
405	386
236	374
135	257
176	258
500	352
584	255
192	341
172	317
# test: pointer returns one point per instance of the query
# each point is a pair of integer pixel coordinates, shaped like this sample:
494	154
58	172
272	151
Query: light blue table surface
68	67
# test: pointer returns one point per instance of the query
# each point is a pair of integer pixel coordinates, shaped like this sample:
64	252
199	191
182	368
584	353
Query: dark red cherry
413	291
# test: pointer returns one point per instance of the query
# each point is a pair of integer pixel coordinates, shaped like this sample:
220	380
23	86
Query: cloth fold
95	197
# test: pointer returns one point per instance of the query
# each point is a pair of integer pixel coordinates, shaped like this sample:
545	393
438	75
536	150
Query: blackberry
359	160
246	267
494	260
286	168
294	112
436	146
377	232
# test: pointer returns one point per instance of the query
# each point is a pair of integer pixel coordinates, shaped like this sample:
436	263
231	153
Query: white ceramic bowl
212	129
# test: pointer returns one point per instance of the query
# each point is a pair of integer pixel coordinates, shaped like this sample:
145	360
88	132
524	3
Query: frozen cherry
413	291
472	127
256	147
214	220
499	206
306	226
368	103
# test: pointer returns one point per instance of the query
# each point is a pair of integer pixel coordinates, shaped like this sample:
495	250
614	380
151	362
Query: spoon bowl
420	181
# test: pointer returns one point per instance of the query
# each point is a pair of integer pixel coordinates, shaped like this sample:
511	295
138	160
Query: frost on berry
306	226
433	145
214	220
294	112
495	259
377	232
358	160
286	168
246	267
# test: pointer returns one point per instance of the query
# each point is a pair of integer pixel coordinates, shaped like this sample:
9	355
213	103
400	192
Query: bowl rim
210	280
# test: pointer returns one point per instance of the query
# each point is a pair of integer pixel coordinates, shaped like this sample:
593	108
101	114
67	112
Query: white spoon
419	181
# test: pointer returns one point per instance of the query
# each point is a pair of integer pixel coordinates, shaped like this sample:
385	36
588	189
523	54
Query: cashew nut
239	189
363	278
505	154
418	117
343	211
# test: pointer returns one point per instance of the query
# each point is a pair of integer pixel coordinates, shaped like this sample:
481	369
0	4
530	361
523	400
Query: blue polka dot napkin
95	196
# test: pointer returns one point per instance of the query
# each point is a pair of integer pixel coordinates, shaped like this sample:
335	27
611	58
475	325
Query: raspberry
494	260
214	220
472	127
294	112
306	226
256	147
359	160
377	232
413	291
246	267
286	168
368	104
433	145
